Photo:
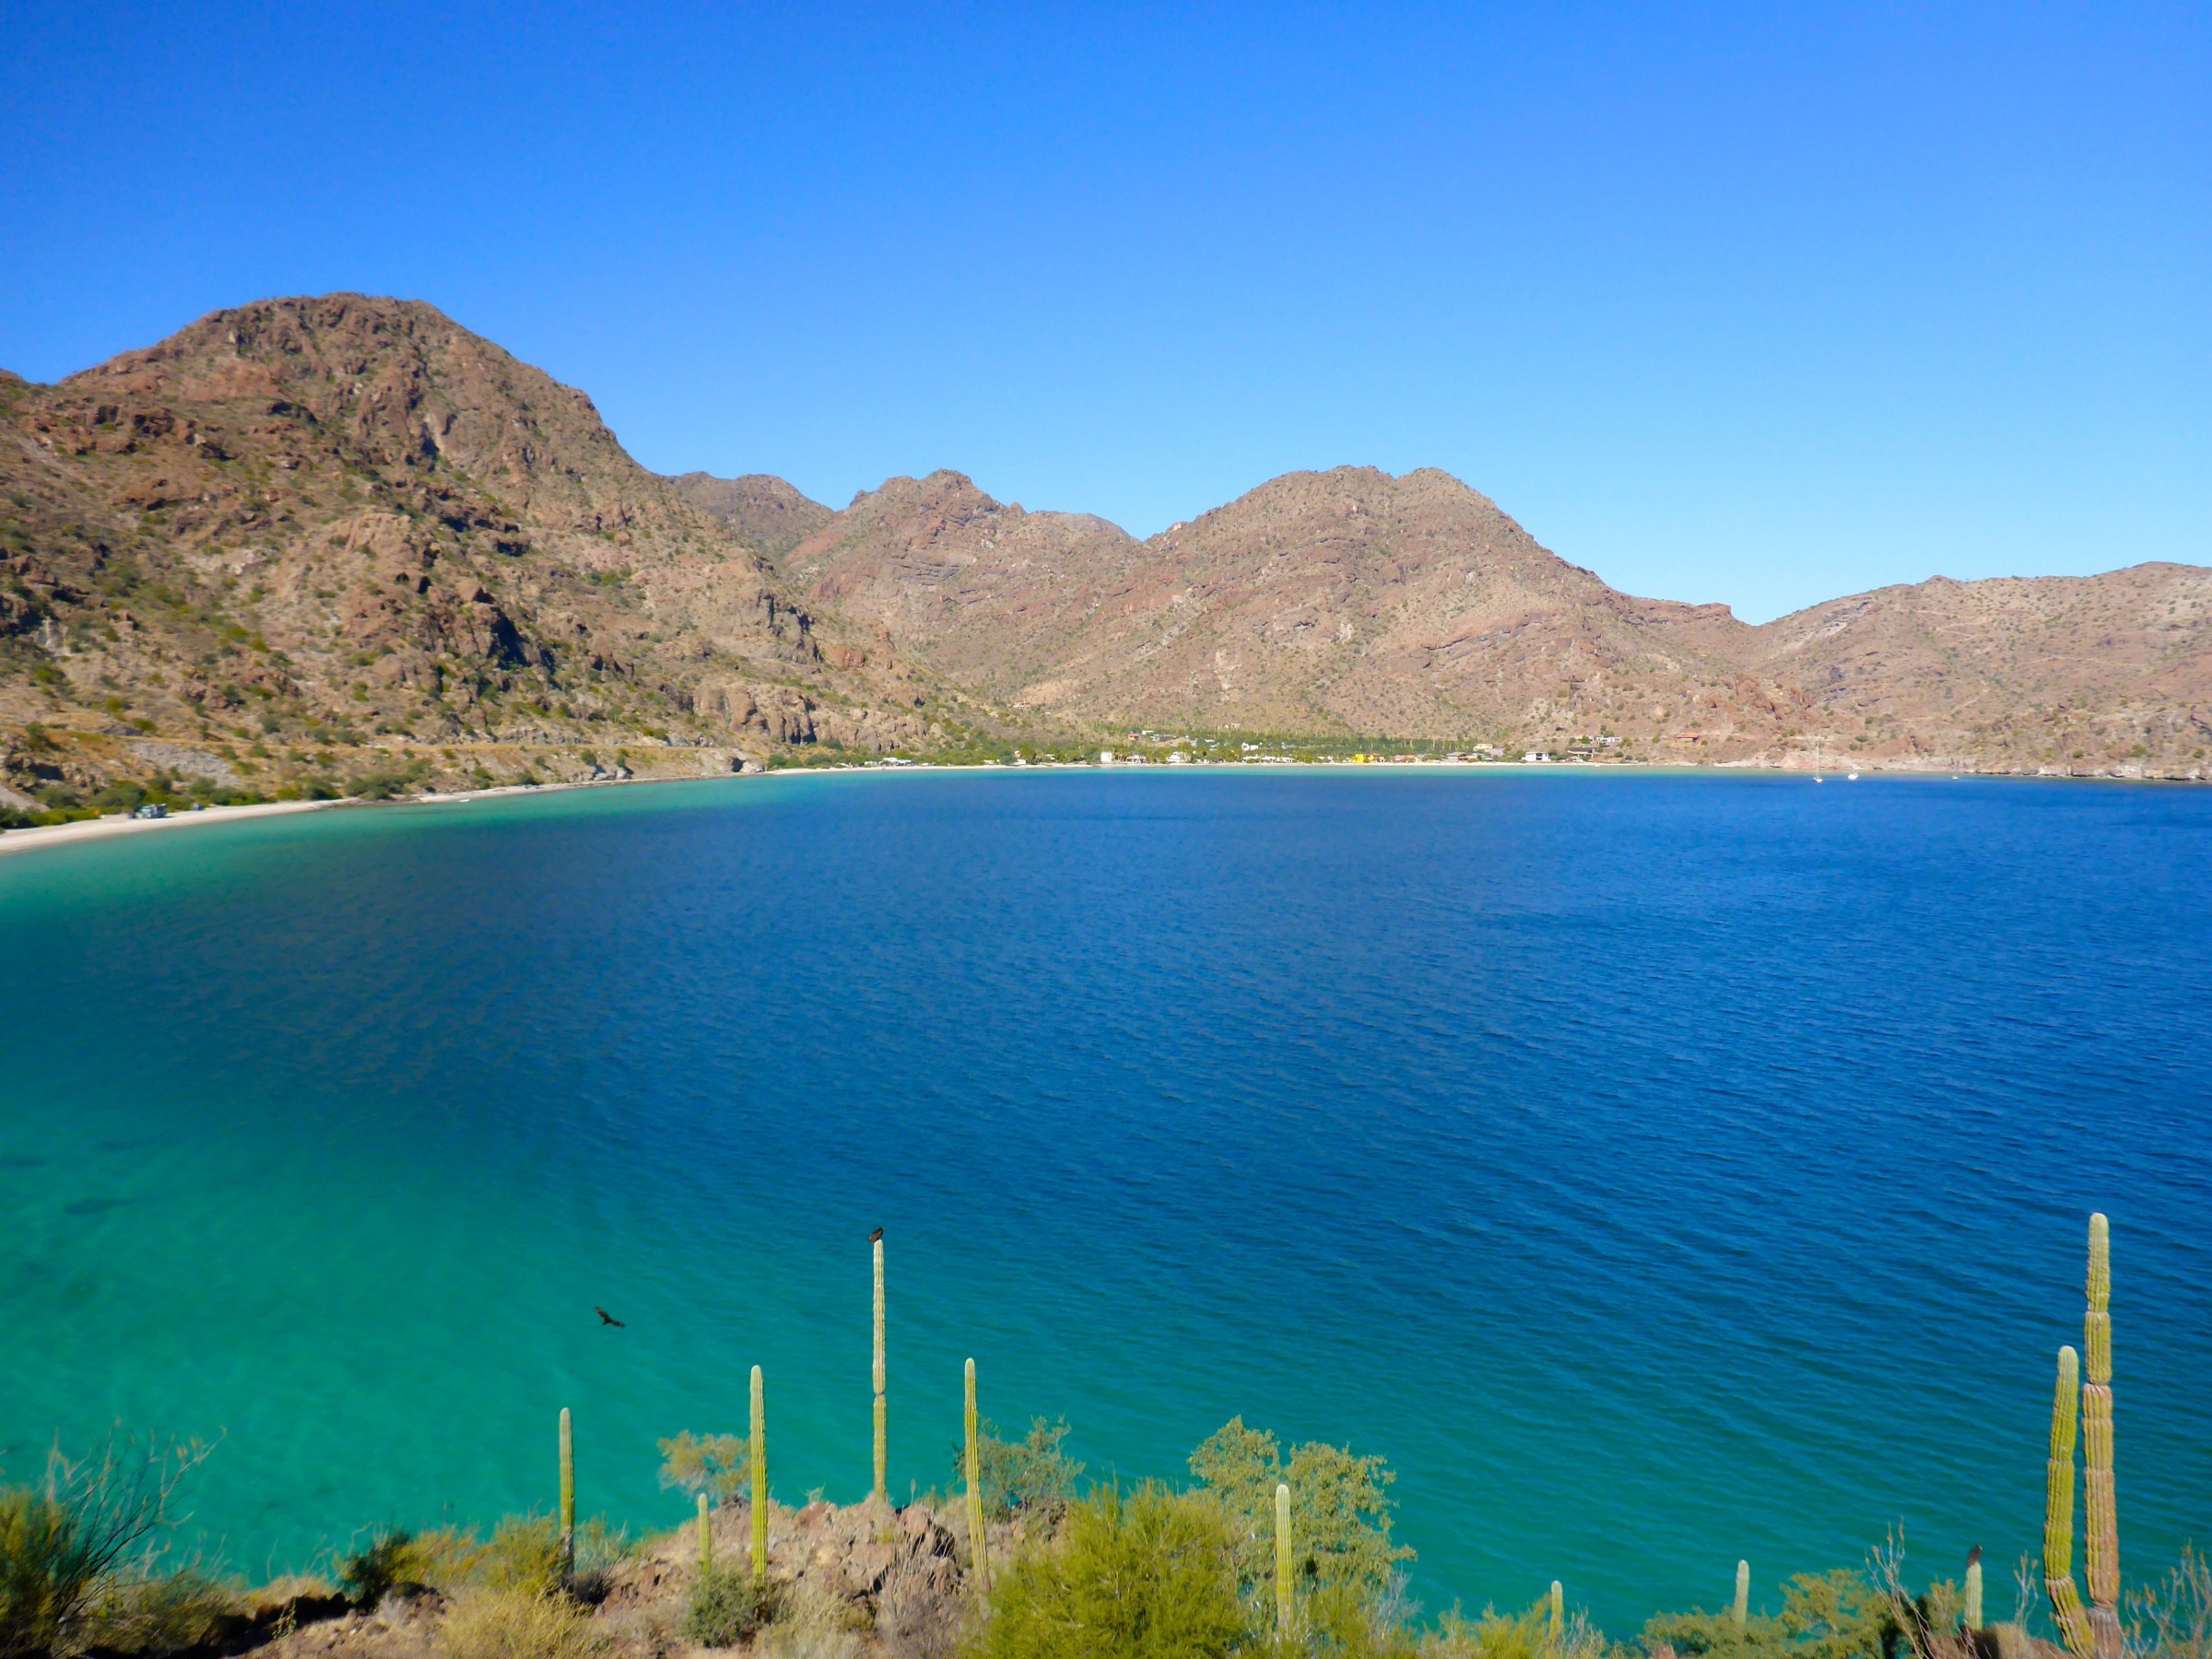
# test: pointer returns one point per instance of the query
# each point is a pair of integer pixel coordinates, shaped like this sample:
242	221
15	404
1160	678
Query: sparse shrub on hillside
1339	1508
1151	1575
166	1612
1031	1476
725	1609
521	1555
520	1624
1496	1635
1839	1614
85	1549
713	1464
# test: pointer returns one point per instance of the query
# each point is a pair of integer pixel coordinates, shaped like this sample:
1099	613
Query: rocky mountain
1353	602
305	532
759	509
341	542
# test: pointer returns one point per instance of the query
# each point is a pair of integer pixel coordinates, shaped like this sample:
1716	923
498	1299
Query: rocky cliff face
344	522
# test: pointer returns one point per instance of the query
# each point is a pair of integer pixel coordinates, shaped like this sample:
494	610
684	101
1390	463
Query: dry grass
520	1624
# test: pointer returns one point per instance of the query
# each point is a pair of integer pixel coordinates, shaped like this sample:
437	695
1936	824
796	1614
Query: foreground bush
725	1609
520	1624
522	1554
81	1557
1838	1615
1152	1575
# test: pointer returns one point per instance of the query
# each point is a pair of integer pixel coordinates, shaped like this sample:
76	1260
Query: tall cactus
1282	1565
1973	1588
2058	1509
974	1466
1741	1611
882	1416
1559	1614
757	1444
567	1498
2101	1528
706	1541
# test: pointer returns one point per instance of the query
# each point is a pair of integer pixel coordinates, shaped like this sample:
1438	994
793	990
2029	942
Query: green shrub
1031	1476
725	1609
713	1464
1152	1575
1340	1513
1839	1614
85	1547
168	1613
523	1555
1527	1635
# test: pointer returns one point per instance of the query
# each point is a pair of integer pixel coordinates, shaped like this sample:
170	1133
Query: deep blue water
1657	1169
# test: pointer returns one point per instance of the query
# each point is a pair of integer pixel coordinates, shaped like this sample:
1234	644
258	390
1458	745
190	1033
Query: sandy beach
55	835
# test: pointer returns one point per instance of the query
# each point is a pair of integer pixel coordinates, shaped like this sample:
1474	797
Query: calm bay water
1657	1169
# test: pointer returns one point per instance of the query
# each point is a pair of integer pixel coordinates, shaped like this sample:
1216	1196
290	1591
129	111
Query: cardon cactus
973	1467
2100	1529
1559	1614
1282	1564
1973	1588
568	1497
1741	1611
882	1416
706	1541
758	1446
2058	1508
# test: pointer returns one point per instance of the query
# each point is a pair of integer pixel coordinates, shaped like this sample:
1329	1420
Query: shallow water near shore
1657	1169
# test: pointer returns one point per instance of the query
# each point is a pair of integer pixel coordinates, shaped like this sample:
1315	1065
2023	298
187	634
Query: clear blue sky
1760	305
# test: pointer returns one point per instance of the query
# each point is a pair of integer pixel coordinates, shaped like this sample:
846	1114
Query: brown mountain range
306	542
1353	601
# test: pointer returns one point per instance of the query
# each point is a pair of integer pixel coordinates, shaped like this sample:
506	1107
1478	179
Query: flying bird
607	1319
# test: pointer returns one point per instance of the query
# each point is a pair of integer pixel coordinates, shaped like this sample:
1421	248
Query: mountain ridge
339	531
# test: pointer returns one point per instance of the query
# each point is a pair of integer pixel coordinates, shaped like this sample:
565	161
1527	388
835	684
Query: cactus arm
2100	1521
975	1483
1559	1614
882	1414
706	1541
758	1446
1973	1588
2058	1509
1741	1611
568	1497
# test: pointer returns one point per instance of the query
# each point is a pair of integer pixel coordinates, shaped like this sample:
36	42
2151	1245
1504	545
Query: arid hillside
307	532
342	543
1358	603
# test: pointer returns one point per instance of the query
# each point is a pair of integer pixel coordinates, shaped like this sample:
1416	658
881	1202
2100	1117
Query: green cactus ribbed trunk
973	1467
706	1541
2058	1509
2101	1520
1559	1614
1741	1611
882	1414
1973	1588
1282	1565
758	1446
567	1498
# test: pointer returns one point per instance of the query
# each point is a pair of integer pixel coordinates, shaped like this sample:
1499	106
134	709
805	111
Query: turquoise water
1657	1169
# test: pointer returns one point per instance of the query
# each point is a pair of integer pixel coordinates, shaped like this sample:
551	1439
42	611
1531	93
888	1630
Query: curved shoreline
85	829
